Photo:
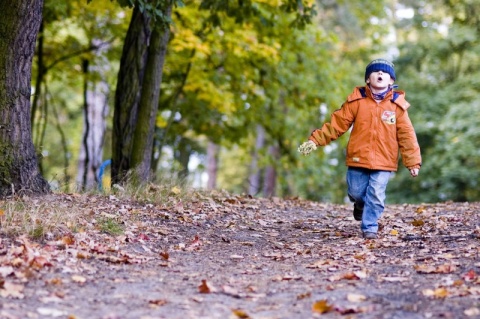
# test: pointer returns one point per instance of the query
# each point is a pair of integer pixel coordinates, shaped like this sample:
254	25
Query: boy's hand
307	147
414	172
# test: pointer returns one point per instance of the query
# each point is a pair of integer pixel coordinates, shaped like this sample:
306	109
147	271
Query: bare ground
237	257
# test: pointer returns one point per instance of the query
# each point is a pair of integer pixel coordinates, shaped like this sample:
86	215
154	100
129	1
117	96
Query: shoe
357	212
369	235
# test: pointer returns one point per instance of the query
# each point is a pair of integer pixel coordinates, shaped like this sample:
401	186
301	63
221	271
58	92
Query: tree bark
255	172
95	113
128	93
147	112
270	180
212	165
19	171
137	95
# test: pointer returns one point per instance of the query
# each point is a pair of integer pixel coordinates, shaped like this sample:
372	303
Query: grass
110	226
52	216
165	191
36	217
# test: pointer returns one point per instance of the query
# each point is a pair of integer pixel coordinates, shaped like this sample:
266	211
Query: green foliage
440	69
222	79
265	11
72	34
153	8
221	82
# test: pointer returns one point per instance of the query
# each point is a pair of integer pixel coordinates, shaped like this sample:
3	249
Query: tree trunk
270	180
95	113
147	112
19	171
255	172
128	93
182	154
137	95
212	165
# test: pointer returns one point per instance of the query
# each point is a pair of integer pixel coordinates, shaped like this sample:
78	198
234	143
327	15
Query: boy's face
380	80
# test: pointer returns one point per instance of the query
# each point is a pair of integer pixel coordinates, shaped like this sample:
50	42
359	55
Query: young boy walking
381	127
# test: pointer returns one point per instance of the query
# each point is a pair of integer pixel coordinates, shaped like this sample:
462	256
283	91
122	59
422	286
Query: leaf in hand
307	147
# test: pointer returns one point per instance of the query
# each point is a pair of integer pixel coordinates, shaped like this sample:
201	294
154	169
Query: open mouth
379	79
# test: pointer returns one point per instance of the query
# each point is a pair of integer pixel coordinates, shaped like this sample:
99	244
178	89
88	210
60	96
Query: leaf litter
227	256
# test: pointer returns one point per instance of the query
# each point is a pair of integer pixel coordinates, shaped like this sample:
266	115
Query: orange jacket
380	130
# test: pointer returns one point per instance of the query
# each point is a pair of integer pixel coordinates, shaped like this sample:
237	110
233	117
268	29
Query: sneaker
357	212
369	235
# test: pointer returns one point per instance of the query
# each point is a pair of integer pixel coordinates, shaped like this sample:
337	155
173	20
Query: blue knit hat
380	65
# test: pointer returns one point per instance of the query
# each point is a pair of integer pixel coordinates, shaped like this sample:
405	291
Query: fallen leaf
429	269
164	255
157	302
470	275
458	283
82	255
240	314
204	288
6	271
418	223
474	290
424	269
437	293
445	269
54	281
231	291
472	312
357	275
394	232
143	237
360	274
11	290
175	190
356	298
394	279
79	279
194	244
291	277
40	262
420	209
349	310
68	240
304	295
321	306
50	312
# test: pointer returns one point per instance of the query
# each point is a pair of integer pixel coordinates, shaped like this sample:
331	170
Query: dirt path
236	257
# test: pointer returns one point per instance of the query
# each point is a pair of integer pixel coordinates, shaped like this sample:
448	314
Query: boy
381	127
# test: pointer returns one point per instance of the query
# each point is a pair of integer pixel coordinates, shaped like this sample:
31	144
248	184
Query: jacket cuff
311	138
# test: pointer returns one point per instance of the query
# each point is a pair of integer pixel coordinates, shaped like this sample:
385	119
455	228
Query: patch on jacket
389	117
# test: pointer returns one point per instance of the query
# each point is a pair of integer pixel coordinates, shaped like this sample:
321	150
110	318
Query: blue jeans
366	188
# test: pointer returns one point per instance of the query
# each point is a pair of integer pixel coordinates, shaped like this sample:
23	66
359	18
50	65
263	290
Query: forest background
238	96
